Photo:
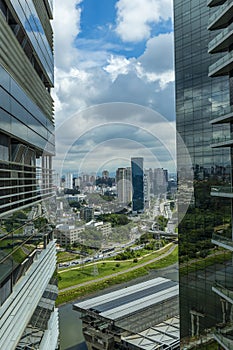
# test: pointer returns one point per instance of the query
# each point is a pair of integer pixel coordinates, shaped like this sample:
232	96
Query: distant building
105	174
104	227
146	190
87	214
69	181
160	180
124	185
143	316
68	234
137	184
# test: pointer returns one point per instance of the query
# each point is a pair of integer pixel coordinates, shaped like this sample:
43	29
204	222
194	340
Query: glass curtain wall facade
203	263
137	184
28	317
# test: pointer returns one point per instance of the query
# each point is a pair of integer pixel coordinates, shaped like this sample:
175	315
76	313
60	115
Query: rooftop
130	300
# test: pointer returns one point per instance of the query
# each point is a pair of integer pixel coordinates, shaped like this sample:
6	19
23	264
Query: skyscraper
28	317
124	186
137	184
202	103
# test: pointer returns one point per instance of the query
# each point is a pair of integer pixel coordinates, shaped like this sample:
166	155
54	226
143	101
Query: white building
68	234
124	185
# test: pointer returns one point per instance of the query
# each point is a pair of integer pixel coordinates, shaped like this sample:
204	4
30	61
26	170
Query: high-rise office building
160	180
137	184
203	97
28	317
124	186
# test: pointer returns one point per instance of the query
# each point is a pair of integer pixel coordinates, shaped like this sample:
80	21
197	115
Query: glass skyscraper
204	116
28	317
137	184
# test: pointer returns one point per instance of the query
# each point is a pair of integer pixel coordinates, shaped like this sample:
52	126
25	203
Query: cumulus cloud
105	132
66	26
91	76
135	18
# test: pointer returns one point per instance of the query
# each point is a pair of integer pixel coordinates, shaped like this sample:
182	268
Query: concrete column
223	310
198	325
192	324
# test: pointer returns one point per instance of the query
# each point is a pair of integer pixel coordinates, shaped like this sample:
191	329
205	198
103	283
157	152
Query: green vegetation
106	268
115	219
217	257
162	222
66	256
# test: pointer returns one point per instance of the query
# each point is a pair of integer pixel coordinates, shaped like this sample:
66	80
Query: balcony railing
222	241
223	339
225	115
222	16
222	191
211	3
223	292
222	41
223	141
223	66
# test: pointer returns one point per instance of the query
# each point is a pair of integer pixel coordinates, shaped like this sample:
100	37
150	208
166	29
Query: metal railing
223	189
225	111
215	2
221	63
223	8
220	37
223	340
223	240
225	291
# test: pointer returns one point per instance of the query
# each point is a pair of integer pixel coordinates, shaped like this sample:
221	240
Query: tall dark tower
204	118
137	184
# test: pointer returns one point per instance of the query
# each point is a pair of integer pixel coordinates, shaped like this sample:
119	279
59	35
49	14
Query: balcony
223	116
222	41
223	292
212	3
49	7
226	341
222	191
223	66
222	241
222	16
224	141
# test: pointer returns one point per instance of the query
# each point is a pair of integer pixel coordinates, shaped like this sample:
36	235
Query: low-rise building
68	234
104	227
142	316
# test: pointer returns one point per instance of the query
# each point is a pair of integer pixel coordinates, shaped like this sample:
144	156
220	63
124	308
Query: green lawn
70	277
109	281
66	256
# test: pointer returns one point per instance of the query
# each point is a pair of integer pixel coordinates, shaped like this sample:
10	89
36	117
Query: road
173	246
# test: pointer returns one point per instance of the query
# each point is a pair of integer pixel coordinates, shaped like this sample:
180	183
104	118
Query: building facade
28	317
124	185
203	98
137	184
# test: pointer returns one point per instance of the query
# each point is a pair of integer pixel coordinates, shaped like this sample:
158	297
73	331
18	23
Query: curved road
173	246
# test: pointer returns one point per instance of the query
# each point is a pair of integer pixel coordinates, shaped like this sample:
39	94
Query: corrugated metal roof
129	300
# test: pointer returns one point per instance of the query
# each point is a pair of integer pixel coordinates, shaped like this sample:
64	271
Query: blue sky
98	24
119	54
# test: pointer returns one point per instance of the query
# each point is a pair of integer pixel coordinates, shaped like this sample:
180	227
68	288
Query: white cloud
134	18
117	65
66	27
90	76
